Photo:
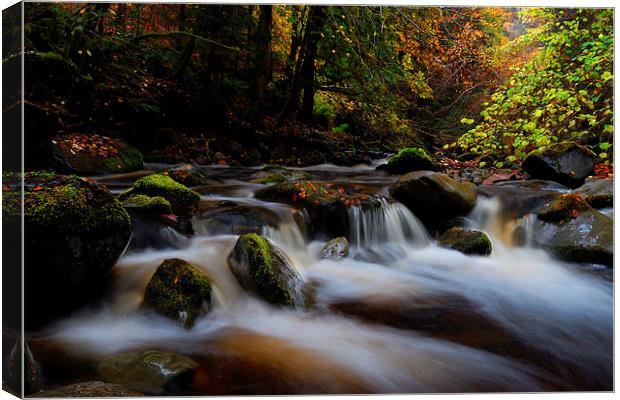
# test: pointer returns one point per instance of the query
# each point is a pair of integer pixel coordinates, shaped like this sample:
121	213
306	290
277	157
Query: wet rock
75	230
235	219
585	237
89	389
326	206
183	201
158	231
189	175
280	175
179	291
147	204
434	197
336	249
466	241
562	208
94	154
599	193
411	159
265	271
150	371
566	163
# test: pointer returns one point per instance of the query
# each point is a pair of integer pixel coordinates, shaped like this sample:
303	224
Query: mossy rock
75	230
183	201
270	178
263	270
466	241
411	159
89	389
267	178
565	163
433	197
179	291
189	175
147	204
95	154
148	371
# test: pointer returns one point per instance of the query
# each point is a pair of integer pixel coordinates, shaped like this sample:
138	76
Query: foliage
564	93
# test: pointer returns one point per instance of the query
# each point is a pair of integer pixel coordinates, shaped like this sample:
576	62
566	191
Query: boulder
561	208
183	201
599	193
583	237
336	249
411	159
151	371
179	291
232	218
147	204
566	163
466	241
95	154
89	389
434	197
280	175
189	175
75	230
265	271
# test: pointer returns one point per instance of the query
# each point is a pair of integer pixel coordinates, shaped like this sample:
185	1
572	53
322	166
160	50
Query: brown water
399	315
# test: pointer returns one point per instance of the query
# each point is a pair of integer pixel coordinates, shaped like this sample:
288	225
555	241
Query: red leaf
37	188
574	213
172	217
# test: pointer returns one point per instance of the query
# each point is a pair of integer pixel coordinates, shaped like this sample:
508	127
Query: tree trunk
263	53
313	31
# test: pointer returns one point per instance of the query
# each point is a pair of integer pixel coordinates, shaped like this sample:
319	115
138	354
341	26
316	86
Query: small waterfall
381	230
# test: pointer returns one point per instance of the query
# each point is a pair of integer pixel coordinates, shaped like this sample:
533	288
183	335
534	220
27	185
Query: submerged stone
150	371
179	291
565	163
336	249
89	389
183	201
466	241
264	270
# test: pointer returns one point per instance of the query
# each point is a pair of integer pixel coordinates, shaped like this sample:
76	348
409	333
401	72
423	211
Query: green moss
128	159
271	178
155	205
273	167
65	203
466	241
410	159
179	291
183	201
262	259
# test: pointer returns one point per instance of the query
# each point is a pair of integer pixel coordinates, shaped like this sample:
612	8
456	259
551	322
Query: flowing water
398	315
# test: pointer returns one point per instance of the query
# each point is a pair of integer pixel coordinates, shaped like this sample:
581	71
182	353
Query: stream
399	314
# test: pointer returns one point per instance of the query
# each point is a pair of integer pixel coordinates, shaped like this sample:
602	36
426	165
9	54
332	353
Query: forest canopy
310	84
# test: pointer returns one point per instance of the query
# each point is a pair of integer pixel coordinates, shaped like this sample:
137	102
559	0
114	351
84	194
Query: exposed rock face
411	159
434	197
233	218
95	154
336	249
151	371
183	201
89	389
179	291
263	270
566	163
466	241
584	236
599	193
75	230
